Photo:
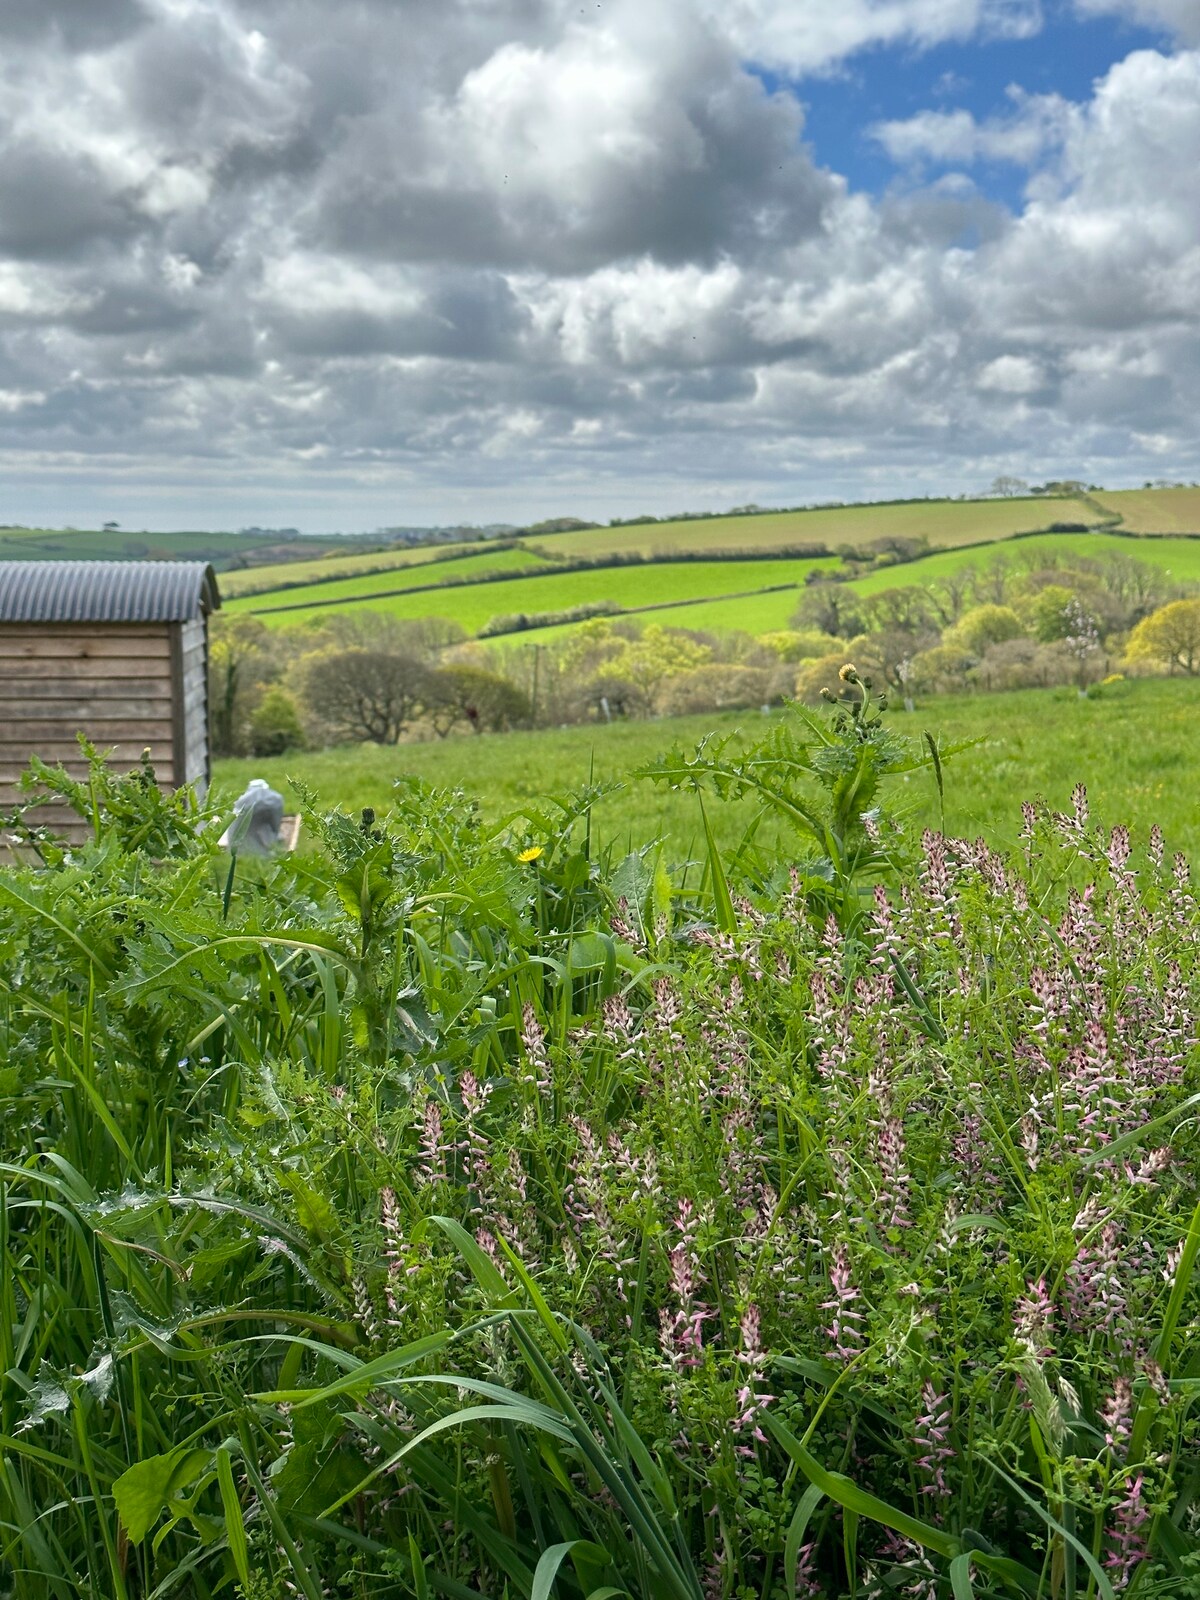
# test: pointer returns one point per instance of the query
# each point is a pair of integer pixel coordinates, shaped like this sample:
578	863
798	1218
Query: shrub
275	725
982	626
717	687
792	644
1169	637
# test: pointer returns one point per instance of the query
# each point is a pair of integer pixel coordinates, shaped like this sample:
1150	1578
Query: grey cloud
459	247
718	164
57	204
72	24
460	317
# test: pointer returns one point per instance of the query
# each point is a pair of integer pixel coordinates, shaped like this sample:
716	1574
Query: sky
398	262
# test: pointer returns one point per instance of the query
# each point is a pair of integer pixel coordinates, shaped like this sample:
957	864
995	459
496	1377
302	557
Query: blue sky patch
892	84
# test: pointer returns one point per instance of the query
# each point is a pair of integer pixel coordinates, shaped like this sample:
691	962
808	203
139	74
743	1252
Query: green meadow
474	605
1134	745
719	596
296	574
319	594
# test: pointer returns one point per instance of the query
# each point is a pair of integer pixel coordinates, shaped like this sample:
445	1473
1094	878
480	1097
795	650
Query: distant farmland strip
945	523
302	575
474	605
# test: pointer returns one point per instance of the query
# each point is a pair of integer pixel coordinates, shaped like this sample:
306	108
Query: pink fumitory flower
844	1330
931	1429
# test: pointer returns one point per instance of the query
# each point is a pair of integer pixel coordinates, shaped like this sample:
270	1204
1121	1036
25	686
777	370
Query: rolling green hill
754	596
284	575
1154	510
945	523
224	550
629	588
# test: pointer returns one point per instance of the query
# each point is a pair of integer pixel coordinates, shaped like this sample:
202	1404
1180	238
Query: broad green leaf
143	1491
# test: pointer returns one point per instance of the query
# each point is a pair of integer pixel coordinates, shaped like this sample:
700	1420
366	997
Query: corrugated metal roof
106	591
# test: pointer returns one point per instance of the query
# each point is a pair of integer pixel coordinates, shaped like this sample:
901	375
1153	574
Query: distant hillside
224	550
728	573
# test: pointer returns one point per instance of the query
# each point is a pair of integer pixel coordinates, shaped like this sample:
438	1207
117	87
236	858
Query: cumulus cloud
477	258
1036	125
817	38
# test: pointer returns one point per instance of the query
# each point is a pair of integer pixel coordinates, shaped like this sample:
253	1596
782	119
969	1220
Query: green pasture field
763	613
944	523
1180	557
301	603
717	596
1154	510
474	605
287	575
1134	746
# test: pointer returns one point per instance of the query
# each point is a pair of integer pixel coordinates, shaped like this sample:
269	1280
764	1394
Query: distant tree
886	655
1082	642
110	527
905	609
1007	486
660	654
941	669
240	660
984	625
792	645
830	607
1169	636
1046	612
948	596
485	701
367	694
275	725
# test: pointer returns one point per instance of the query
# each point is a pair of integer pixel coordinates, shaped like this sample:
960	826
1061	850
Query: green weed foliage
461	1209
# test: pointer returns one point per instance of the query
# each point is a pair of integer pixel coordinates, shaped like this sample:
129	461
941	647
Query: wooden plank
179	731
82	690
84	630
100	730
75	670
81	711
55	646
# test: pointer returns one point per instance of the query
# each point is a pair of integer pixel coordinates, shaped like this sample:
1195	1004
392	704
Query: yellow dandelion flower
534	851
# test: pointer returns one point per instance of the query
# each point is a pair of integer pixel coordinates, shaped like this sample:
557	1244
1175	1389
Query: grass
294	574
474	605
419	1215
382	586
942	522
1155	510
1134	745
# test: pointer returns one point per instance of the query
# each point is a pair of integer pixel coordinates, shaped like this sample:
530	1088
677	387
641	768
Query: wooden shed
117	650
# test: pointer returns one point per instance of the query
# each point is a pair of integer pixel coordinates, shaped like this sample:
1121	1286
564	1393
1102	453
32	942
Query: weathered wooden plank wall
112	681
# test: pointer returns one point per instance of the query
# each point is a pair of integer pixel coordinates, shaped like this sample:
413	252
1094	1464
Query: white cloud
1036	125
1012	375
821	34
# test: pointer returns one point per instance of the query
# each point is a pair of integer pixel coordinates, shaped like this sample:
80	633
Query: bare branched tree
367	694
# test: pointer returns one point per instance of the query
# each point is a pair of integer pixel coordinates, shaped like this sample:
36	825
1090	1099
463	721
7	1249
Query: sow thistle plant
434	1215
